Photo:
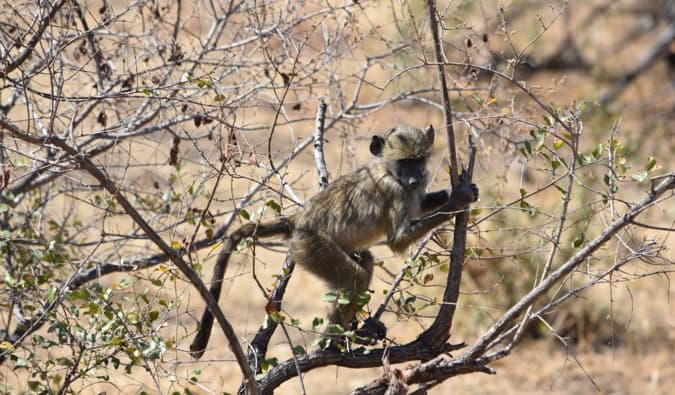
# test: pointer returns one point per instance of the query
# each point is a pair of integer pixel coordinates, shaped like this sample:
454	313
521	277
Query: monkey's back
353	210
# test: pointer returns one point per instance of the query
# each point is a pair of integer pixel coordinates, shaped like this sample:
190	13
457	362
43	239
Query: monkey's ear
429	131
376	145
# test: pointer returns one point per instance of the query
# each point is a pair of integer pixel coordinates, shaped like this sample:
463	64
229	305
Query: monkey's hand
465	194
370	331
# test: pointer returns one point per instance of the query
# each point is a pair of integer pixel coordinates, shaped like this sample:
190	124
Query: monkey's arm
400	238
434	200
282	226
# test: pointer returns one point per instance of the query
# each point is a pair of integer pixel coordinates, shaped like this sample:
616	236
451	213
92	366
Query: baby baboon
329	235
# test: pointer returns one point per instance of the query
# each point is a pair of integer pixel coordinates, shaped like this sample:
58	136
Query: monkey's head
404	151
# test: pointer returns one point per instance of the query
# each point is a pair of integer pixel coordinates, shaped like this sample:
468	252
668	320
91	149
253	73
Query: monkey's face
404	152
411	173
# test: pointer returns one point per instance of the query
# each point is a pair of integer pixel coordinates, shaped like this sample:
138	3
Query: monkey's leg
341	271
281	226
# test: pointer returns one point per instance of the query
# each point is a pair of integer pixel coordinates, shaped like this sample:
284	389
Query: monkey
329	236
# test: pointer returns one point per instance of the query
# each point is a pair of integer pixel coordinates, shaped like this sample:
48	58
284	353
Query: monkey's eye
411	162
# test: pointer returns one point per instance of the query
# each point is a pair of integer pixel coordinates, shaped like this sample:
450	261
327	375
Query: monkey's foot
370	332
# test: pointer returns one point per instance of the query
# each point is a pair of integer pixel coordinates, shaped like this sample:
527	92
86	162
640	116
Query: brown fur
329	235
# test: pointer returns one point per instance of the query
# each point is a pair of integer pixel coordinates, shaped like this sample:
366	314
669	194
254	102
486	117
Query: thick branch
439	331
445	97
478	348
360	358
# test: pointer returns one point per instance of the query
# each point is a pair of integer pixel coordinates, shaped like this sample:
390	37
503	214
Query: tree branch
192	276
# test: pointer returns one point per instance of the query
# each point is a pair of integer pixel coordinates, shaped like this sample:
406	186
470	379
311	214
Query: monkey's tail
279	227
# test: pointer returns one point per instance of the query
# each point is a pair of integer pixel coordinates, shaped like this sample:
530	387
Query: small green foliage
299	351
579	240
330	297
245	214
526	207
317	322
555	164
584	159
362	299
639	176
274	316
268	363
335	329
549	120
344	298
243	244
273	205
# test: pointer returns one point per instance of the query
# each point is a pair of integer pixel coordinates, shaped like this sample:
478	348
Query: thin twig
192	276
319	160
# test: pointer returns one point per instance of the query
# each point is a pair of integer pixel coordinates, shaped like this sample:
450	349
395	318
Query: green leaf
133	318
336	329
579	240
51	294
585	159
219	98
4	208
274	316
597	152
298	351
362	299
125	282
558	144
555	164
267	363
651	163
153	315
528	147
639	177
202	83
21	363
245	214
317	322
523	192
344	298
330	297
273	205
